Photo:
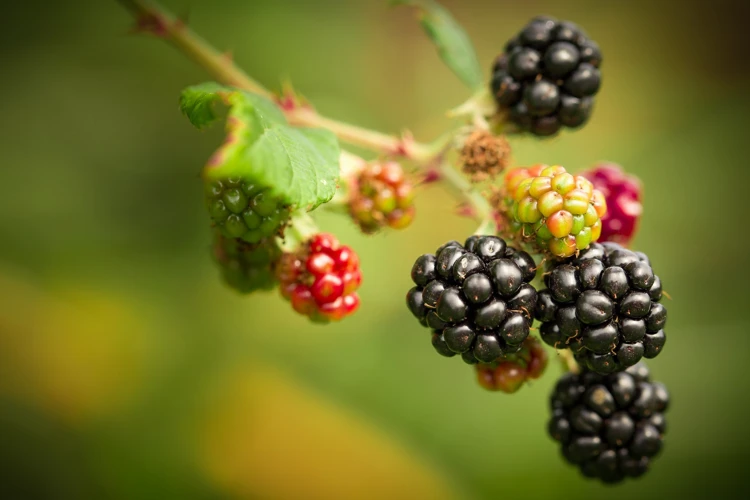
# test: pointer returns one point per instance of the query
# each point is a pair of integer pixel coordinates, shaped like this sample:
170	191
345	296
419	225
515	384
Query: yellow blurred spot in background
266	437
78	355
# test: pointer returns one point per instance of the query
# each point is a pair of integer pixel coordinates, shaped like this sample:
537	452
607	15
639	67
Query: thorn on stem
431	175
405	145
466	210
149	22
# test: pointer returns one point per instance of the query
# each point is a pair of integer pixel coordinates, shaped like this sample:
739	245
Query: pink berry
622	194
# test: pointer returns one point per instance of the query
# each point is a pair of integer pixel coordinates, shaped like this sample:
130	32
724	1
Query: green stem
482	210
155	19
300	229
569	362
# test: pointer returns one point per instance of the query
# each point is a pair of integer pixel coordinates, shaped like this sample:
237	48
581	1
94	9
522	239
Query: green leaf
298	166
453	44
197	103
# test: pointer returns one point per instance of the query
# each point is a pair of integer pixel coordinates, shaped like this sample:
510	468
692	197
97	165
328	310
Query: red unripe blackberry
321	279
623	194
508	373
381	196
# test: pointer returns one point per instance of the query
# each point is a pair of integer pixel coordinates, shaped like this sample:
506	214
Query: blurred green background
128	371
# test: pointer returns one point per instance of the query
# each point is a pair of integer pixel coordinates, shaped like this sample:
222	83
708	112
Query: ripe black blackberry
604	306
475	297
547	76
610	426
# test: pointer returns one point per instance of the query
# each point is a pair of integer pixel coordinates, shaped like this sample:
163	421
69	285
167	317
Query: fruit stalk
152	18
569	362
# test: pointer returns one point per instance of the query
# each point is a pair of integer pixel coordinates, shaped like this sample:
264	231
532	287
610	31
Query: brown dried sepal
484	156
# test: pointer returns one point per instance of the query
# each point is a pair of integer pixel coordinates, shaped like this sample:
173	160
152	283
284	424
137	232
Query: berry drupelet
243	210
558	212
604	306
610	426
246	267
623	194
509	373
476	298
381	196
547	77
321	279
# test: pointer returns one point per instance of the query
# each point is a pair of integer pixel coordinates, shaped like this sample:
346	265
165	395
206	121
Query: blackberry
557	211
246	267
381	196
321	279
508	373
476	298
609	426
623	194
547	77
243	210
604	306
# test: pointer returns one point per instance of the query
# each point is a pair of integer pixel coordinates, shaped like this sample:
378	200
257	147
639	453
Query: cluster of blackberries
611	426
475	297
604	306
547	76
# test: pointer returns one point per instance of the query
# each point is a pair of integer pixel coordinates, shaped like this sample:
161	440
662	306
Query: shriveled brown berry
484	155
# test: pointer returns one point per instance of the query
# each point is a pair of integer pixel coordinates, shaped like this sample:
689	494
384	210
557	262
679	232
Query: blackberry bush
509	373
476	298
321	279
559	212
547	77
609	426
623	194
605	307
281	159
241	209
246	267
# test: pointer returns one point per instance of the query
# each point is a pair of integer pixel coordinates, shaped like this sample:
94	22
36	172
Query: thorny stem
154	19
481	209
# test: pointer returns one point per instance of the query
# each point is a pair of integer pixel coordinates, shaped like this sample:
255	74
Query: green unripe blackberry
246	267
243	210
